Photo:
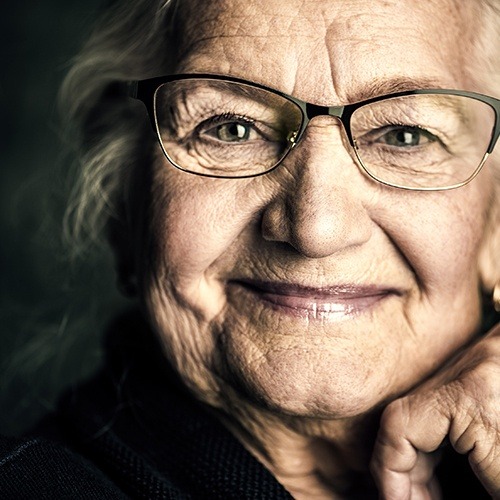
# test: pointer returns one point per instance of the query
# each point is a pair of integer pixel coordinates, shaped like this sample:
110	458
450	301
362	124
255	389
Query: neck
311	458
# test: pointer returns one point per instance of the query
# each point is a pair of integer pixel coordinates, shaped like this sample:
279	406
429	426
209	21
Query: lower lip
319	306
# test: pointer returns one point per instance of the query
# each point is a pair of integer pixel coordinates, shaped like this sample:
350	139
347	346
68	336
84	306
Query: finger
424	485
410	429
429	491
465	410
417	483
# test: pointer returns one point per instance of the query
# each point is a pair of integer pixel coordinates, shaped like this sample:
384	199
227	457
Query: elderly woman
312	230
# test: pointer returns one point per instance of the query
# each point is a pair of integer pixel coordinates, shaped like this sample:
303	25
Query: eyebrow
379	86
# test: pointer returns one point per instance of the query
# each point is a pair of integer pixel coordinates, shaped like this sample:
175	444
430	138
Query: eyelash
221	119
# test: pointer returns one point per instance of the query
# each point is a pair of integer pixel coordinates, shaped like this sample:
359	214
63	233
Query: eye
231	132
404	137
229	128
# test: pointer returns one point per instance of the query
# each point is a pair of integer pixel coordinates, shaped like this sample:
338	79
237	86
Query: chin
305	388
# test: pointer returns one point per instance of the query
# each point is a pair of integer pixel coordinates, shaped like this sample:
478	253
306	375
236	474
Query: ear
119	237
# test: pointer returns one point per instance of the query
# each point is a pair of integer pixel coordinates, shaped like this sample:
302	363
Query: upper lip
336	291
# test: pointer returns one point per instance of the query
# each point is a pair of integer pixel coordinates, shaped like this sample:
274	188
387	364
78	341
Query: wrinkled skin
305	393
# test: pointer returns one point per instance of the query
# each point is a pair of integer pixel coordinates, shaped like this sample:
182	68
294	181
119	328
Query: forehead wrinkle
453	77
322	30
201	22
249	23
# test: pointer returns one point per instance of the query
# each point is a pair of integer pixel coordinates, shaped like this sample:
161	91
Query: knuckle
475	400
476	414
486	455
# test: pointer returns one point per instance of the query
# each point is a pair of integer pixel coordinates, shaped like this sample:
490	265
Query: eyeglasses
217	126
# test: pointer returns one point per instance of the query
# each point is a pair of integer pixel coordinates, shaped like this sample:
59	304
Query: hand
462	402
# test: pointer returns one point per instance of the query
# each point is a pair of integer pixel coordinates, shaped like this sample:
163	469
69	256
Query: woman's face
313	290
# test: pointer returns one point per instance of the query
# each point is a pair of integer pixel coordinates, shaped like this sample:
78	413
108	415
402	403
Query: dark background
52	309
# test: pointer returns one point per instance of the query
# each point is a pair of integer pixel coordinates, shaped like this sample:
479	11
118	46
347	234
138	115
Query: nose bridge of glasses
313	110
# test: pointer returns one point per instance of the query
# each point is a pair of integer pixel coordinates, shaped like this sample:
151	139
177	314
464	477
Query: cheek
194	221
439	235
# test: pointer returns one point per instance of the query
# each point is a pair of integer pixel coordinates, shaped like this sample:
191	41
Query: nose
319	209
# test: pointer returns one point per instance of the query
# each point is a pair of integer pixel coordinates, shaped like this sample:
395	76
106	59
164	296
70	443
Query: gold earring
496	297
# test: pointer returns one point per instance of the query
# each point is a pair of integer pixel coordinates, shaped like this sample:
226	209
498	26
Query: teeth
323	311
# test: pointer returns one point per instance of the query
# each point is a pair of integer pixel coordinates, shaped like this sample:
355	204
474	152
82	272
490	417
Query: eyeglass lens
227	129
423	140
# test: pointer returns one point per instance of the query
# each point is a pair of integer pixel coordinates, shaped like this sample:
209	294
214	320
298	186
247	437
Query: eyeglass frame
145	90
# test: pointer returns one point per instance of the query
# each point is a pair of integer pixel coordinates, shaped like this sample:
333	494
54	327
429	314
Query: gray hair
132	41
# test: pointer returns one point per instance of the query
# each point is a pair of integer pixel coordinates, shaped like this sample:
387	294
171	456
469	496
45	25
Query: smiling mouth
330	302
